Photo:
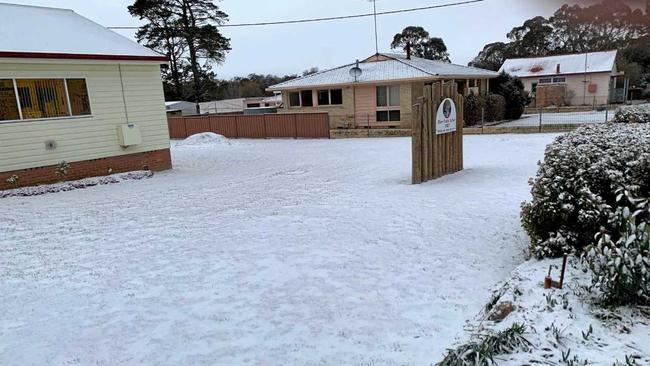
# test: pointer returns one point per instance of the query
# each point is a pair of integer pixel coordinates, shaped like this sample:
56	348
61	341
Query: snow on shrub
574	193
621	268
633	114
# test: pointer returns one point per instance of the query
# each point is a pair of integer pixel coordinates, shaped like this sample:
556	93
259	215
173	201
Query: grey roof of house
569	64
35	29
396	68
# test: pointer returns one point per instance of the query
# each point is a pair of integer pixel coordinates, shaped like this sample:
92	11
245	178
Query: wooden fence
434	154
299	125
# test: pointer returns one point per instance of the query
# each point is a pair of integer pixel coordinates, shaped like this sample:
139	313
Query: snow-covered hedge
621	268
574	193
633	114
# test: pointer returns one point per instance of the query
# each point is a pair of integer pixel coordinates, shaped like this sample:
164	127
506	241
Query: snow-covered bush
574	193
633	114
621	268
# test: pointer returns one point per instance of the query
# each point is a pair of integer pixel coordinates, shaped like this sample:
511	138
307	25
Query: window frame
388	108
559	82
542	81
329	97
67	98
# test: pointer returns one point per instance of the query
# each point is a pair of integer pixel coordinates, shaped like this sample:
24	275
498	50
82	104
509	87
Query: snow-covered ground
591	117
276	252
568	323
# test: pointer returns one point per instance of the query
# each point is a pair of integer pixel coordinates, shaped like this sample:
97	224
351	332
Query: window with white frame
303	98
388	103
29	99
559	80
546	81
330	97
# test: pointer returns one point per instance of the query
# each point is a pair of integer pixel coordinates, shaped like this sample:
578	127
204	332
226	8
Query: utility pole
374	3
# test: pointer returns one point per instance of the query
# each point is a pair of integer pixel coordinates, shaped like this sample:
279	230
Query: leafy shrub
574	193
472	109
633	114
483	351
495	108
621	268
489	107
512	89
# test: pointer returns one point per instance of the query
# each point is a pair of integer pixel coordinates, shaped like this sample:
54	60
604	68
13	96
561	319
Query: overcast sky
290	49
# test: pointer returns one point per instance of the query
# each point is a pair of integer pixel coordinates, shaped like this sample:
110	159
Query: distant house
73	91
241	105
576	79
383	94
181	108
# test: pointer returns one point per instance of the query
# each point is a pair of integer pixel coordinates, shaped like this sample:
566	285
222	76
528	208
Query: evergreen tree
185	30
422	44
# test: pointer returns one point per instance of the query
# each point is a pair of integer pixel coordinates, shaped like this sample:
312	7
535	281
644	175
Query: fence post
540	119
606	113
266	134
295	125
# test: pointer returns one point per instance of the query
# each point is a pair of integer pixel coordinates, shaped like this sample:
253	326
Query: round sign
446	117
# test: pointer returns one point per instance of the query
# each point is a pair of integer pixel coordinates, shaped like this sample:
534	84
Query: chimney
408	50
557	69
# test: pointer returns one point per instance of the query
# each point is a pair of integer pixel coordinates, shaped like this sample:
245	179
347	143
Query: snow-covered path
264	253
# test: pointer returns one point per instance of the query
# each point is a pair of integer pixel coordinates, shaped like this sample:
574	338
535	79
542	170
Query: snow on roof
395	67
569	64
39	32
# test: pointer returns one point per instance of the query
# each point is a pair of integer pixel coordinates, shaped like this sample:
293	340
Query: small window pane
323	97
8	104
394	116
559	80
382	96
382	116
307	98
42	98
294	99
337	96
79	100
394	95
545	81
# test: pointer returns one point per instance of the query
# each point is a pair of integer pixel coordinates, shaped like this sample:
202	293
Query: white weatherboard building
72	90
575	79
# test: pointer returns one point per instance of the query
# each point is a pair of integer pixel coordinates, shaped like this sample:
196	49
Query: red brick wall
152	160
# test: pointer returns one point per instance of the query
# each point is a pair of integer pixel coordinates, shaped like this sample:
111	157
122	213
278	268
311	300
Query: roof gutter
376	82
75	56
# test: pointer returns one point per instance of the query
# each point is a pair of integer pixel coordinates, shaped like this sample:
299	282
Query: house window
8	102
388	103
336	96
253	105
534	87
78	96
389	116
388	96
306	98
330	97
25	99
546	81
559	80
42	98
294	99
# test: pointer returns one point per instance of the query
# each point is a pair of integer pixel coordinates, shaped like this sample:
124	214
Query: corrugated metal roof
396	67
569	64
33	29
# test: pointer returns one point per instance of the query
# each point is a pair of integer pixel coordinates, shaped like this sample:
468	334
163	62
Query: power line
313	20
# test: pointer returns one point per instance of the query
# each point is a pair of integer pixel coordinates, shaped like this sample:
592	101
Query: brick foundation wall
153	160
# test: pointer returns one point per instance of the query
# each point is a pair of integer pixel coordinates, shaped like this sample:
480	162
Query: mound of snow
206	139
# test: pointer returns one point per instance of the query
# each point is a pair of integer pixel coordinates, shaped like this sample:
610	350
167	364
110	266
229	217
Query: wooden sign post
437	143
